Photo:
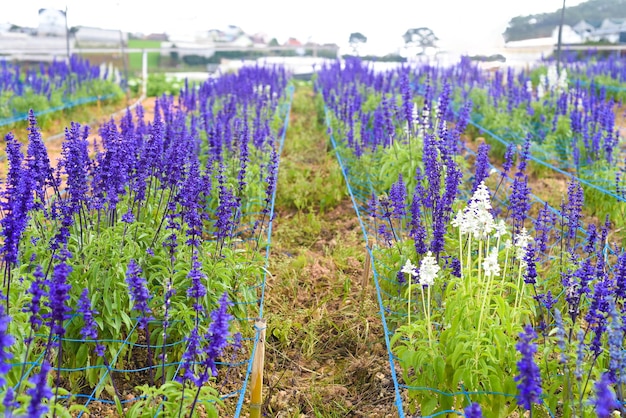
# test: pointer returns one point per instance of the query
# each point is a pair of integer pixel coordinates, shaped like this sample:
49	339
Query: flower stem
427	314
408	308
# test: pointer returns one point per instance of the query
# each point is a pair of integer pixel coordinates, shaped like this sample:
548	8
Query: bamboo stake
366	270
256	379
365	278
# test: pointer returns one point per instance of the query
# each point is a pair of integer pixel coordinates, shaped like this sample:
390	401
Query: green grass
324	349
134	58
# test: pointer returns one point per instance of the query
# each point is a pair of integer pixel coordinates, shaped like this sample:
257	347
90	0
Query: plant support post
256	378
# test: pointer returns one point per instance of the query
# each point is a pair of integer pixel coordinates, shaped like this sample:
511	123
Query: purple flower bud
473	411
90	327
528	378
39	392
139	293
605	401
6	341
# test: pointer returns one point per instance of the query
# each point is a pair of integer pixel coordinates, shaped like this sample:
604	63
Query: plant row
496	302
54	86
133	266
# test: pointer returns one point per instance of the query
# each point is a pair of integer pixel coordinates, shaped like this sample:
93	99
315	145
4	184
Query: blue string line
394	378
546	164
113	361
380	291
67	105
267	254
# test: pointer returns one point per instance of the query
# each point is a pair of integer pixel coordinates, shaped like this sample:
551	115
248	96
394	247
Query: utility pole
559	41
67	36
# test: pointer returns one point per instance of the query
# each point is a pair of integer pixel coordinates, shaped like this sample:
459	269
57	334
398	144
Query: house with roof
611	30
86	36
51	23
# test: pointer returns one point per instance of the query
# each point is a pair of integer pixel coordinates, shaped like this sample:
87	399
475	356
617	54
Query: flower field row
57	86
133	268
492	299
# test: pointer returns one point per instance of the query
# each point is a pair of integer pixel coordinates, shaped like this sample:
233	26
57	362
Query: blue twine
267	254
394	378
380	292
550	166
67	105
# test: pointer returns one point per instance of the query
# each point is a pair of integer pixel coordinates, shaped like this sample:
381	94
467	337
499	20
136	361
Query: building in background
51	23
89	37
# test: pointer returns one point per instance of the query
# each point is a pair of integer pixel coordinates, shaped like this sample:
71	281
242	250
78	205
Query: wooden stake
256	378
366	269
365	278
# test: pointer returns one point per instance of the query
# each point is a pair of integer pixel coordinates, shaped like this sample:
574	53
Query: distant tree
356	40
420	38
273	42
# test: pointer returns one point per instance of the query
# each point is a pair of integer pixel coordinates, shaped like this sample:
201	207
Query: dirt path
93	116
325	352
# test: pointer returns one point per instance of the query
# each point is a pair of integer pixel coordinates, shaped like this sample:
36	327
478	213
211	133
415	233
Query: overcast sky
461	25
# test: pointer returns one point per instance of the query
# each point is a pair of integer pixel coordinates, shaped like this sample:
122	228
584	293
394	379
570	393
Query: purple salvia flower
36	291
218	334
57	299
407	103
530	275
481	165
432	171
196	290
372	206
272	175
39	392
400	278
224	214
397	198
580	355
9	402
573	209
509	158
75	162
544	223
128	217
620	277
190	357
473	411
15	158
139	293
525	154
18	201
592	237
455	267
38	162
417	231
529	378
605	401
190	201
90	327
598	312
519	200
6	341
617	363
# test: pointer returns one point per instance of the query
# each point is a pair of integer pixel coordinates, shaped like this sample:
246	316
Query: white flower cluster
409	268
476	218
553	82
490	263
521	243
428	270
415	121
